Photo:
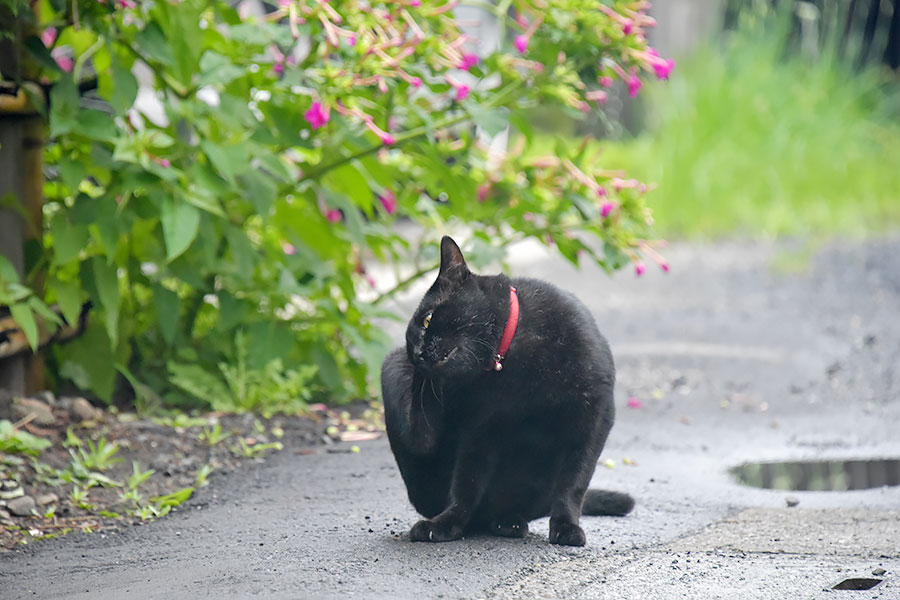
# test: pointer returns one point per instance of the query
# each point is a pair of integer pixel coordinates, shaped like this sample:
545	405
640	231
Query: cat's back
556	321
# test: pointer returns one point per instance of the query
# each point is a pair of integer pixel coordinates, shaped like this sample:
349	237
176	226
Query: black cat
499	406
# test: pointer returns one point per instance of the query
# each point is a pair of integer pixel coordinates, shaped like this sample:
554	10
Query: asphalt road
733	359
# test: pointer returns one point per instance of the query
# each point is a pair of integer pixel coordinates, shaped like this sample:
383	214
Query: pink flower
278	68
416	82
626	26
606	81
462	90
48	36
65	63
127	4
333	215
601	191
351	41
634	85
663	68
607	208
288	248
388	201
317	115
483	191
633	402
598	96
639	268
664	266
385	137
620	184
416	3
521	43
164	162
468	61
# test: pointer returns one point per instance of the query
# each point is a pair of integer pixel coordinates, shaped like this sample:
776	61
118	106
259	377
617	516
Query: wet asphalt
743	352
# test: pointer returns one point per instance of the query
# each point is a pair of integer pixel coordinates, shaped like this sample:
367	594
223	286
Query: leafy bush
756	137
283	149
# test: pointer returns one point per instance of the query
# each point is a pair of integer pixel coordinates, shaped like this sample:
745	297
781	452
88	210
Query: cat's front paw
434	531
566	533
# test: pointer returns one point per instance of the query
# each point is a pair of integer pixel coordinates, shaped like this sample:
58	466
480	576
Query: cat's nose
417	356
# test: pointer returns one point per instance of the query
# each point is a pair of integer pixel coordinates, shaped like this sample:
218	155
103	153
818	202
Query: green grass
743	140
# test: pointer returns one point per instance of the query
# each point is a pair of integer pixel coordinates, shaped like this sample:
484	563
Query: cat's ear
453	266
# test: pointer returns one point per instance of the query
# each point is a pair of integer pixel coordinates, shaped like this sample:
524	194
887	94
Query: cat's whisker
436	395
422	403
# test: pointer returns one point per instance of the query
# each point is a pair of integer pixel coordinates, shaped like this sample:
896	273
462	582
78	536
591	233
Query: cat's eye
427	321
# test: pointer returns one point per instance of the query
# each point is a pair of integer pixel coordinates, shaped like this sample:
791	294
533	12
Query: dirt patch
92	470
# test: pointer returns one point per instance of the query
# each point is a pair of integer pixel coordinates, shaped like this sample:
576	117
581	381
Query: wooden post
21	178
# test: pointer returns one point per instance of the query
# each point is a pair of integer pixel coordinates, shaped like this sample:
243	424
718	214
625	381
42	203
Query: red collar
511	323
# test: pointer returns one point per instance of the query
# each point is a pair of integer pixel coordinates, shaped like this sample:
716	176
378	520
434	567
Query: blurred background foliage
786	122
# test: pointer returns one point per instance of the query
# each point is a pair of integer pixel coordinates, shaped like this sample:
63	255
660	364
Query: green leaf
95	125
180	223
68	240
167	306
491	120
40	53
107	281
231	310
260	189
204	202
64	106
174	499
22	315
198	382
242	252
185	38
229	161
89	362
268	341
7	271
107	226
68	296
44	311
218	69
328	367
349	181
15	441
72	172
124	87
154	43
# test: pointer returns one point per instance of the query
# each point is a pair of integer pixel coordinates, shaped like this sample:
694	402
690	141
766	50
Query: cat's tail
605	502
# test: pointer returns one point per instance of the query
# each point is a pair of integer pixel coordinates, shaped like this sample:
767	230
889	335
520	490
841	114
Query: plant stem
401	285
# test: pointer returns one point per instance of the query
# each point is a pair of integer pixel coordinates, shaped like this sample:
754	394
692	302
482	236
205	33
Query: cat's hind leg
578	461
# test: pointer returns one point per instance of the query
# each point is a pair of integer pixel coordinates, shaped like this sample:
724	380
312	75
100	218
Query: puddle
826	476
857	584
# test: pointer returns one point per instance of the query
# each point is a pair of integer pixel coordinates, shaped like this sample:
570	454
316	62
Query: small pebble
792	501
878	571
21	507
45	499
